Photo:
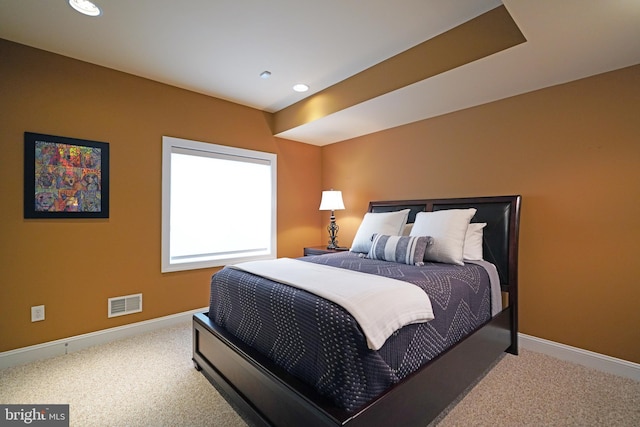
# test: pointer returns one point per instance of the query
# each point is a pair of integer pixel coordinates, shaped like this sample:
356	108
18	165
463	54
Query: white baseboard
46	350
49	349
590	359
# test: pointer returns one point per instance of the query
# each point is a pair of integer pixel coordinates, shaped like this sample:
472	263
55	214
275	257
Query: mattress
320	343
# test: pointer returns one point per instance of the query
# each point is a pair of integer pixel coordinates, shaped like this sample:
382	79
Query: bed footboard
267	395
263	392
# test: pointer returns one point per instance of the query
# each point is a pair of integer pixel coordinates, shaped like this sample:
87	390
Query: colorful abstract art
65	177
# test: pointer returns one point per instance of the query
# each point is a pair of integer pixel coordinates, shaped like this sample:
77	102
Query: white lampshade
331	201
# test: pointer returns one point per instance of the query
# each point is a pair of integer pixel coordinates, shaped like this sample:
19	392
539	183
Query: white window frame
171	145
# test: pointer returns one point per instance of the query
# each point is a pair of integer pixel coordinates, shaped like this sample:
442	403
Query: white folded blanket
379	304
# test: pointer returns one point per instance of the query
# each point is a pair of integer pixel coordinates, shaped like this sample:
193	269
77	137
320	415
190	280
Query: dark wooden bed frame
264	394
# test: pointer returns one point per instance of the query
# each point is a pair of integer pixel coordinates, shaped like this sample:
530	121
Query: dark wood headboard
500	236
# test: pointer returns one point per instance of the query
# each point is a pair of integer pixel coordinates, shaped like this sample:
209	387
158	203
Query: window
218	205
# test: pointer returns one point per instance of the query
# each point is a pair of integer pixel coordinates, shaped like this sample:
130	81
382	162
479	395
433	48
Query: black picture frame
65	177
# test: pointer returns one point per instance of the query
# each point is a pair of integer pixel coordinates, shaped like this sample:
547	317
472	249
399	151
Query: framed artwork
65	177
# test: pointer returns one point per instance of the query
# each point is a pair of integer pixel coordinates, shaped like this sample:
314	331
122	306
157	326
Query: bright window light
218	205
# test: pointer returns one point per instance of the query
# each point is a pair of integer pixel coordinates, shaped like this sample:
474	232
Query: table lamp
332	201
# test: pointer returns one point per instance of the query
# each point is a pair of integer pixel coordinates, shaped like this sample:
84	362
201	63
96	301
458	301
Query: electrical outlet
37	313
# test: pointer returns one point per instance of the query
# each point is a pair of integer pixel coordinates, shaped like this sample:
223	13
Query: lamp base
333	228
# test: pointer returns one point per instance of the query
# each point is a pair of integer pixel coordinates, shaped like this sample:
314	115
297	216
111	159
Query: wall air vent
129	304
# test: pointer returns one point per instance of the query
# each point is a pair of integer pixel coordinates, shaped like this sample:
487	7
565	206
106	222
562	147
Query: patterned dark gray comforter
320	343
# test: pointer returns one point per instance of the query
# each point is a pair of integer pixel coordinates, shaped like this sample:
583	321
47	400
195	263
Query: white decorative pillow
390	223
402	249
473	241
406	230
448	228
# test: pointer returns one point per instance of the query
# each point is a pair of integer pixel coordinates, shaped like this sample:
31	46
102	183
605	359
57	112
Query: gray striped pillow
402	249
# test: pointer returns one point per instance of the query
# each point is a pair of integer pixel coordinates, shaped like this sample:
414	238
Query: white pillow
448	228
389	223
406	230
473	241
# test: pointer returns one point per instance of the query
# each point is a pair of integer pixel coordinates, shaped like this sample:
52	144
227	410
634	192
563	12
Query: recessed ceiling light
85	7
265	74
301	87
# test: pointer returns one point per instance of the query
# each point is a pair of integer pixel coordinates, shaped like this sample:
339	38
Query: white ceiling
219	48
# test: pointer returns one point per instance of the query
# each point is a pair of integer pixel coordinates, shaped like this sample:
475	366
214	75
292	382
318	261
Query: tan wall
73	266
573	153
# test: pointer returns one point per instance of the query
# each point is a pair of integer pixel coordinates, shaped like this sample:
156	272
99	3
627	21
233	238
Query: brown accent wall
573	152
73	266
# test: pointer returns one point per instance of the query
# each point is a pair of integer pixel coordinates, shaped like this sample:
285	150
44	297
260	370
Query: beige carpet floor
149	380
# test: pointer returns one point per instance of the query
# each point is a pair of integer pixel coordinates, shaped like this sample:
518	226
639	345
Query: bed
267	392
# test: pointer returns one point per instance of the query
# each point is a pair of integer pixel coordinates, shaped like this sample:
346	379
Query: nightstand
321	250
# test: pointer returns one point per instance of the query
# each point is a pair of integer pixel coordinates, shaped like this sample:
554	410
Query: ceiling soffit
477	38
